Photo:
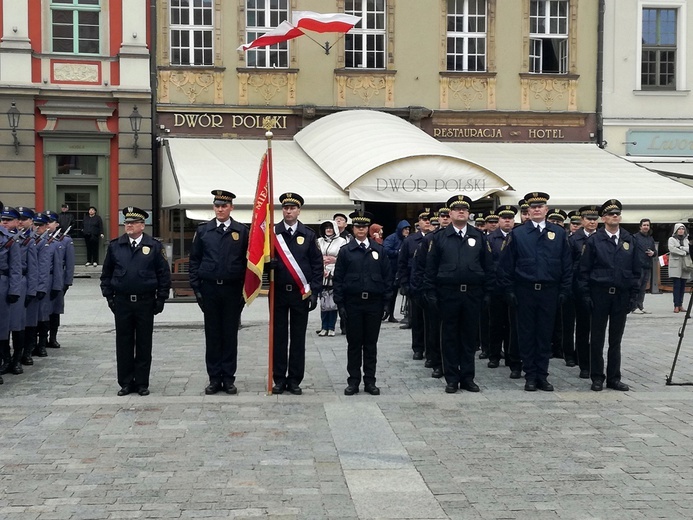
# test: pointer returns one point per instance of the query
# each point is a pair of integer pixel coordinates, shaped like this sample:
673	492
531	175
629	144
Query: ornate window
76	26
658	66
192	32
466	35
260	17
365	45
548	36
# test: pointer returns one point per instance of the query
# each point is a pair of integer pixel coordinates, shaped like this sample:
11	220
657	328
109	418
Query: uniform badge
471	242
375	255
300	240
235	235
430	246
626	246
146	250
551	235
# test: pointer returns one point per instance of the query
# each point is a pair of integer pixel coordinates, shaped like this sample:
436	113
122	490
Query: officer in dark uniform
490	224
12	286
589	216
217	271
405	264
297	285
524	210
609	283
558	217
535	270
458	272
362	289
44	262
135	281
574	222
67	265
501	339
30	257
51	262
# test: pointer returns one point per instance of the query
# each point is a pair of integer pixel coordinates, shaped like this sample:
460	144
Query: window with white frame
658	65
75	26
548	36
466	35
192	32
260	17
365	44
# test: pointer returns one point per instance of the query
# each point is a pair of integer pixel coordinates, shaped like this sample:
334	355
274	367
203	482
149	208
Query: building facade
75	81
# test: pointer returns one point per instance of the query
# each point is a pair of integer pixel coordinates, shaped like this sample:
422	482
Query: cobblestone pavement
71	449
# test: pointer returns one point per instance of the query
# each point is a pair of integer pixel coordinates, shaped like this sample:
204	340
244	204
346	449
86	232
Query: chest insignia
300	240
471	242
551	235
146	250
235	235
375	255
626	246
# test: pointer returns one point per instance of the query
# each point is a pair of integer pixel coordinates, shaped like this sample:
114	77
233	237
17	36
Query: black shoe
125	390
16	368
143	391
4	367
1	381
584	374
27	361
372	389
451	388
530	386
428	364
469	386
351	390
294	389
278	388
597	386
405	326
213	388
437	373
40	352
493	364
418	356
230	388
53	344
515	374
483	355
544	385
570	363
617	385
392	319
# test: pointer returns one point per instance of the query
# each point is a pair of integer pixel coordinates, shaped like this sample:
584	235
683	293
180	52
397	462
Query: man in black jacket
297	282
136	281
646	250
217	270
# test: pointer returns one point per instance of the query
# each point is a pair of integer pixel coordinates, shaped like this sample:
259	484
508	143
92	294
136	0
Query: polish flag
282	33
322	23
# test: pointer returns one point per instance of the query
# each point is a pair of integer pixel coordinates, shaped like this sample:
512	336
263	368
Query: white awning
192	168
579	174
379	157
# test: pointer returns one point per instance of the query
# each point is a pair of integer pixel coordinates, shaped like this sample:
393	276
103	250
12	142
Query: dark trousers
679	291
557	335
92	243
645	276
363	329
459	333
568	329
223	307
290	323
535	319
611	308
583	319
432	337
499	328
514	361
416	319
134	323
485	328
393	301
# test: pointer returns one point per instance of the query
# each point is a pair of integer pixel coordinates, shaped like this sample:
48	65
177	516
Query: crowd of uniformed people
518	293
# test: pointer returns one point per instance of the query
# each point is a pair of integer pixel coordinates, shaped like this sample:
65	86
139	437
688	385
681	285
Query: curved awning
379	157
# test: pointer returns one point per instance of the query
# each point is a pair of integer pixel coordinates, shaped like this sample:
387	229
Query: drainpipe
155	120
600	75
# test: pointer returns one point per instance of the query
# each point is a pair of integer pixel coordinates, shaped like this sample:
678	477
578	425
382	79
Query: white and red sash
292	266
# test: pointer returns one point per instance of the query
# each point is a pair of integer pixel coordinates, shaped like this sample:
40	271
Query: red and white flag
282	33
324	22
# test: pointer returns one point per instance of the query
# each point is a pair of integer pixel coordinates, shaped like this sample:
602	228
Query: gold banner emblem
235	235
626	246
551	235
146	250
300	240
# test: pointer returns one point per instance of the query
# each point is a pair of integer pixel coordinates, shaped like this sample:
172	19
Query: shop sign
671	143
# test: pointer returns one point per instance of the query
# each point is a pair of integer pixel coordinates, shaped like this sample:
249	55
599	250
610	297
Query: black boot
29	345
4	356
18	344
54	323
40	349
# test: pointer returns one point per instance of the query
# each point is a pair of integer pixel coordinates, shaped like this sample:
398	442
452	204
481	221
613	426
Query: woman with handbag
680	263
329	243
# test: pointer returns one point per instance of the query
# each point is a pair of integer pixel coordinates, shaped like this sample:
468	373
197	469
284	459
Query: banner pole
270	196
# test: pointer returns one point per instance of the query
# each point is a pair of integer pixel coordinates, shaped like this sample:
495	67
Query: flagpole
268	125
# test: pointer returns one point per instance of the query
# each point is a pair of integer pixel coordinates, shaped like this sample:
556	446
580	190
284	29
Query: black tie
363	246
221	227
290	231
461	234
133	246
616	239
